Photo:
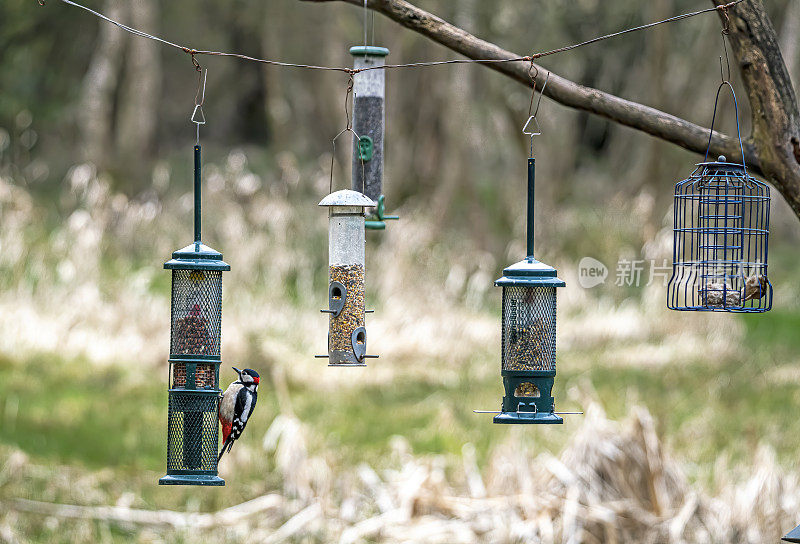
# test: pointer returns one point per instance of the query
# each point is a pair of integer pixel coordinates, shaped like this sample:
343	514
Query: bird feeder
369	90
528	354
192	432
347	336
720	232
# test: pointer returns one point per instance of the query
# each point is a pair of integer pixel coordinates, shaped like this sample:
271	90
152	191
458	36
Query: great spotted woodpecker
236	405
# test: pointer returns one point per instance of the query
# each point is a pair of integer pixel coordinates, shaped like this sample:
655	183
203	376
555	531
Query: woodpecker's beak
239	372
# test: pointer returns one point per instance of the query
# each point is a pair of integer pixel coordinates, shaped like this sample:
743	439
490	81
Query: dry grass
614	482
89	286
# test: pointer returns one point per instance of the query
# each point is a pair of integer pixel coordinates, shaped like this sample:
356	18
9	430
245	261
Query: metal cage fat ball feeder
347	335
196	323
369	117
721	230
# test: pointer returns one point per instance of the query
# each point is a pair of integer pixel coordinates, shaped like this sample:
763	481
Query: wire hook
198	117
532	116
348	128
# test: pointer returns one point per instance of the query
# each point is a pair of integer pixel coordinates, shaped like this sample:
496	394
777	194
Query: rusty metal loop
724	9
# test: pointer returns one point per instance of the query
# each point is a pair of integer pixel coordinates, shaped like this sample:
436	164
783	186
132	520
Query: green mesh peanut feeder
192	431
369	119
528	355
347	334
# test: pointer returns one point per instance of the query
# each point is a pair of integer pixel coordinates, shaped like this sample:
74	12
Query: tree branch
568	93
776	121
772	152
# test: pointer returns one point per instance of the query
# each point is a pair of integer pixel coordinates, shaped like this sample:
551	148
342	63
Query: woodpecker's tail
227	444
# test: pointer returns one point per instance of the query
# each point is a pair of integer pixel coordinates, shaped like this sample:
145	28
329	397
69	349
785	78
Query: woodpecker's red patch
226	429
256	380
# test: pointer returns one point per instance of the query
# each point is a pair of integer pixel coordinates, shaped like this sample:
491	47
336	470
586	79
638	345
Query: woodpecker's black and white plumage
236	405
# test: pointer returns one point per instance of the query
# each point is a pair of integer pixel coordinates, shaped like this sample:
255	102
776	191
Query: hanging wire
191	51
366	12
727	61
347	128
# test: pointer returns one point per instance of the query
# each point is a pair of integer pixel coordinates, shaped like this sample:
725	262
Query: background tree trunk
99	85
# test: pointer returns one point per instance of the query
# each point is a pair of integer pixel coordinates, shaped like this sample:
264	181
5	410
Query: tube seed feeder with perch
369	91
196	323
347	335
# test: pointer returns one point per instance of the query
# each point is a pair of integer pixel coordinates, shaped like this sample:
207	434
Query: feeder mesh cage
721	227
192	432
529	328
196	322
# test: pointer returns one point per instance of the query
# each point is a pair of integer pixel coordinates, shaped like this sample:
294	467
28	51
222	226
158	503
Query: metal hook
198	117
541	93
532	116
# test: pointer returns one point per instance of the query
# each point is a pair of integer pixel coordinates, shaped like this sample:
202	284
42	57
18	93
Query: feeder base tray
347	364
190	479
527	418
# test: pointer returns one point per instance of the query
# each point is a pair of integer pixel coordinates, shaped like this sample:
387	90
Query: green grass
111	422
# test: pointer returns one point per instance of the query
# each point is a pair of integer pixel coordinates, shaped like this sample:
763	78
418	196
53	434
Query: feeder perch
347	337
369	90
720	233
528	354
192	432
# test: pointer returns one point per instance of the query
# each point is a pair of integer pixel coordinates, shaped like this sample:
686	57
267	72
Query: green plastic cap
197	256
369	50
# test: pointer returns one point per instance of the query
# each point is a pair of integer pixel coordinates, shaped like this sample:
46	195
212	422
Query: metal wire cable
722	8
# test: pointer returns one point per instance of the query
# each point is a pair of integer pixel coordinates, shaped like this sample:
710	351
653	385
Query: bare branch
625	112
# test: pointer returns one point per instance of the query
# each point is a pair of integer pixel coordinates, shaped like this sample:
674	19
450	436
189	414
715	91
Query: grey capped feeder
347	337
369	91
192	430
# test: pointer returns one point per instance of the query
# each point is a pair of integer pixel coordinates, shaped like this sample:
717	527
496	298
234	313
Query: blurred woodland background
691	430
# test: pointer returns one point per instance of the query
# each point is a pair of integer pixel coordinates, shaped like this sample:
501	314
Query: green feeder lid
530	273
197	256
370	50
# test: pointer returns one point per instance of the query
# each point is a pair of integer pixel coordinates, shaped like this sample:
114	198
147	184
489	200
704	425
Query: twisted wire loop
724	9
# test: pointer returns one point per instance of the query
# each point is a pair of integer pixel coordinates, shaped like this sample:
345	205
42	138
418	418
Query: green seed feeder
369	116
529	334
347	335
192	428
